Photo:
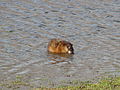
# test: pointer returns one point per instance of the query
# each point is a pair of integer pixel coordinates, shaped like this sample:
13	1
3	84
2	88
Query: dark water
26	26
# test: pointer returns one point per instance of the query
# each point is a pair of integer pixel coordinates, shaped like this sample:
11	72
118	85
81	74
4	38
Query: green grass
104	84
112	83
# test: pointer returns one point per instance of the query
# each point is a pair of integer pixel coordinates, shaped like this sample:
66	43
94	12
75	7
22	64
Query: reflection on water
26	26
59	58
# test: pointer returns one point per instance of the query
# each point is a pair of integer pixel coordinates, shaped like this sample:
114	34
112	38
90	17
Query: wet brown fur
60	46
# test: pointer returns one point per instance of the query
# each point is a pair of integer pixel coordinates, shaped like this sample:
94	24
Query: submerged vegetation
15	84
112	83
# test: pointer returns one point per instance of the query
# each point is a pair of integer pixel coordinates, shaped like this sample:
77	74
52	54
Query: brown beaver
60	46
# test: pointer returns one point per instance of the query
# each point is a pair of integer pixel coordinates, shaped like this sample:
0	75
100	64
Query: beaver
60	46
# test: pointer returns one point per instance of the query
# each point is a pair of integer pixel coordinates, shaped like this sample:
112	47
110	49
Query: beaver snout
70	49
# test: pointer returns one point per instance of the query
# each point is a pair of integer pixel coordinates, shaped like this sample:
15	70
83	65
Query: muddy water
26	26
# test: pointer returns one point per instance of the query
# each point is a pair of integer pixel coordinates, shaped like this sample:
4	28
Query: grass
104	84
112	83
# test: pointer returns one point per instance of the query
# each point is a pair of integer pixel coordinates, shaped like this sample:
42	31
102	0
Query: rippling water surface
26	26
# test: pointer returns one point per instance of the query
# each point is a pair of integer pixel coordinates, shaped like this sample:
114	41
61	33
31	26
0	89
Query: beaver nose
70	52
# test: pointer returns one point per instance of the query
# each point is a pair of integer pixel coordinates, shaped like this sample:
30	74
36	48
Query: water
26	26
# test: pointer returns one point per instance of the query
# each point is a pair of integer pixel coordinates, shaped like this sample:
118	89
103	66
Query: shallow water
26	26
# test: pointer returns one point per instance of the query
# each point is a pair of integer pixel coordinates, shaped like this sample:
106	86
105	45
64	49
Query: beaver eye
69	47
